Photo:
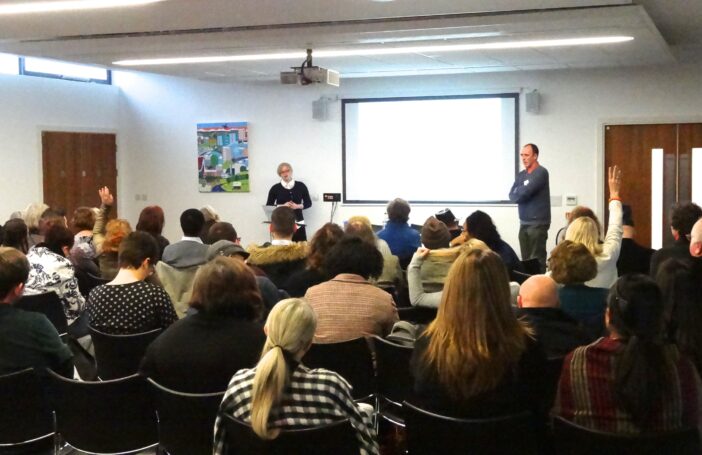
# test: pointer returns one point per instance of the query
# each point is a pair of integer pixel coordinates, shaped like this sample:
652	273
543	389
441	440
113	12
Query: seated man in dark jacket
557	332
280	258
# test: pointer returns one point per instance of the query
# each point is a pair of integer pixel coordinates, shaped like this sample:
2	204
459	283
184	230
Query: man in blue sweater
532	194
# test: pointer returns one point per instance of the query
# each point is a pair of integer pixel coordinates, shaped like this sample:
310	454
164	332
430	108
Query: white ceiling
664	31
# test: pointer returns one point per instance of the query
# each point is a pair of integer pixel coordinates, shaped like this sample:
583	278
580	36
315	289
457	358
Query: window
62	70
9	64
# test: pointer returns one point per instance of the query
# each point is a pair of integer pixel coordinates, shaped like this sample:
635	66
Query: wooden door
630	147
75	165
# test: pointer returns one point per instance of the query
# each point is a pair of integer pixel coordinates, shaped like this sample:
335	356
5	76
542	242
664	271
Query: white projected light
458	149
69	5
697	175
656	198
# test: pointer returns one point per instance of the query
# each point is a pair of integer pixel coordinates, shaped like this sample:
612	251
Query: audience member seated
151	221
682	218
381	244
479	225
538	305
82	254
681	287
128	304
578	211
476	359
282	257
585	230
211	217
571	265
31	216
435	236
323	240
49	218
189	251
108	235
447	217
418	297
402	239
348	306
201	352
633	258
269	292
632	381
696	239
392	272
51	271
16	235
27	339
282	394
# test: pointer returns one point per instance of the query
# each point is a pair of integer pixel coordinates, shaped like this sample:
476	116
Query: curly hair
115	231
572	263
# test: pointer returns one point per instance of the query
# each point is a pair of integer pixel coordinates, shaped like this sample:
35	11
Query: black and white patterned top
123	309
313	398
50	272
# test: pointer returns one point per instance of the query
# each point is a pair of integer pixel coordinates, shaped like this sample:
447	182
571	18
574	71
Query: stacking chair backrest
48	304
185	420
392	362
430	433
336	438
352	359
26	419
573	439
532	266
418	315
118	356
106	417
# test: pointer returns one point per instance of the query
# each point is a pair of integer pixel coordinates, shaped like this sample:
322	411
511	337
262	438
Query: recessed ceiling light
69	5
380	51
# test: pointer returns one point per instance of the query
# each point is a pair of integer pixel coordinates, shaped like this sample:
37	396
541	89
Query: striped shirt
586	393
313	398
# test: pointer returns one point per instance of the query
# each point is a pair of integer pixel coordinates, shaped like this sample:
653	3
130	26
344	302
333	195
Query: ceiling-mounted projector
307	73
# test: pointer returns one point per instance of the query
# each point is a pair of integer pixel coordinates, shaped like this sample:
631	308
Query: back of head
447	217
643	367
585	230
362	231
191	222
151	220
360	219
15	235
222	230
83	219
538	291
480	225
353	255
683	217
290	327
581	211
210	214
135	248
226	287
51	217
283	221
115	231
58	237
435	234
572	263
323	240
475	338
32	215
14	269
398	210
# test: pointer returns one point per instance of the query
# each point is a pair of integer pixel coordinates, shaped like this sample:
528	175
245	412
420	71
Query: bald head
696	239
538	291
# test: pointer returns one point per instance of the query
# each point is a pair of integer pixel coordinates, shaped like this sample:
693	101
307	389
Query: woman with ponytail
282	394
632	381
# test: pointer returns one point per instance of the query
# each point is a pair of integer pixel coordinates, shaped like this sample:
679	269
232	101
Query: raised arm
106	201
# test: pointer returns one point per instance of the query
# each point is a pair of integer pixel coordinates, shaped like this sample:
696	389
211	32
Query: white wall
29	105
159	116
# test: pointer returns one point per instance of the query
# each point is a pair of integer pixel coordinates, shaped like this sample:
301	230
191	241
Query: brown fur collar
271	254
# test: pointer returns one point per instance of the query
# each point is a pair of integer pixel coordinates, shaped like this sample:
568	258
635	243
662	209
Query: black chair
532	266
185	420
417	314
48	304
429	433
394	379
519	277
26	420
106	417
351	359
551	376
118	356
336	438
87	281
573	439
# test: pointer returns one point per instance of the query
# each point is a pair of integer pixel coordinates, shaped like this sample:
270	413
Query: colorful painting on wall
223	157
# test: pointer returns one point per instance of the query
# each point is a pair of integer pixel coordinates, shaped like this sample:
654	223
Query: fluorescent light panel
380	51
71	5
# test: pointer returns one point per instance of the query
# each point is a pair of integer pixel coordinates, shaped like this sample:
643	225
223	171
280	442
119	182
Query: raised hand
105	196
615	181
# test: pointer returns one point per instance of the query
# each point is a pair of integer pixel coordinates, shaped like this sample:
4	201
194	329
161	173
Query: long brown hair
475	338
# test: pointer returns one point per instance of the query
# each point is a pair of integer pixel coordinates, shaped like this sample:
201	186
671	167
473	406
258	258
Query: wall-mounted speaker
533	102
320	109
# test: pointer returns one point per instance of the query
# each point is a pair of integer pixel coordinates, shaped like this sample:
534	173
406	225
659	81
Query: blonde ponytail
291	325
